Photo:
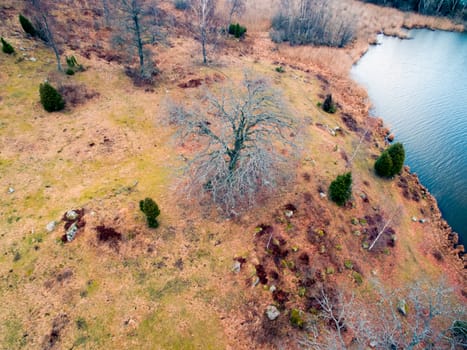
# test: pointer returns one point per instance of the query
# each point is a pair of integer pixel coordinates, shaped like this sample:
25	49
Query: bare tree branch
240	131
138	26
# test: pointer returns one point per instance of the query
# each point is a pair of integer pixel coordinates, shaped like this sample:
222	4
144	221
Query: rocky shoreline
414	190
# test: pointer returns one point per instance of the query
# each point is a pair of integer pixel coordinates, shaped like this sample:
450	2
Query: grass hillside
173	287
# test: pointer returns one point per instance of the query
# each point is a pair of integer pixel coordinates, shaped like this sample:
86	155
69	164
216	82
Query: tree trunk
203	44
52	43
139	43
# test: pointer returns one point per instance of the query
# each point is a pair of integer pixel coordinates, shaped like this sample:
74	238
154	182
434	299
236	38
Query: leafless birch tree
204	12
235	8
240	132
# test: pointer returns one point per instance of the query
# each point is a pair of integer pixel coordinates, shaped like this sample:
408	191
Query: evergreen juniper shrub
383	165
151	210
340	189
328	105
27	26
51	99
6	47
391	161
397	153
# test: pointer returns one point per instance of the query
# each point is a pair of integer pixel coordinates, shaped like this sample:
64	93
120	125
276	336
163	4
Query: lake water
419	88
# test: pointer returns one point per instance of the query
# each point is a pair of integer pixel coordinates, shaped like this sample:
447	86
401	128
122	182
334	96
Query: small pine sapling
328	105
151	210
73	65
237	30
27	26
340	189
6	47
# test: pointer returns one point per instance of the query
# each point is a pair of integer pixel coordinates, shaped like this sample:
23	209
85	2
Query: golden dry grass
141	297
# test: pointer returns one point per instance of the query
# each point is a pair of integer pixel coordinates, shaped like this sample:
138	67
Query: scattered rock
414	219
255	282
288	213
272	288
322	195
402	307
71	215
33	59
373	344
391	137
50	226
71	232
422	221
11	190
236	267
272	312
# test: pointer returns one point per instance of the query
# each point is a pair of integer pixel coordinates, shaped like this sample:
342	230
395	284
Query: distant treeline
451	8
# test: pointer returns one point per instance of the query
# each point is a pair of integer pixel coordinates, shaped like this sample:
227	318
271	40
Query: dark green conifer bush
27	26
6	47
237	30
390	162
328	105
50	98
397	153
383	165
151	210
340	189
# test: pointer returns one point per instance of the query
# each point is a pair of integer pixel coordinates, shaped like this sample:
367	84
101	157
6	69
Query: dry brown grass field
173	287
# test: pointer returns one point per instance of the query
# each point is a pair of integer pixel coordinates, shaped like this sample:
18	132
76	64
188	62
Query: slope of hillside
173	287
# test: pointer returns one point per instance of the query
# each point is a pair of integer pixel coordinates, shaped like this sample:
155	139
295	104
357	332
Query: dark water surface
419	88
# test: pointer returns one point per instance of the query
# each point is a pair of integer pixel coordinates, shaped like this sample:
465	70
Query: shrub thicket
340	189
390	162
237	30
50	98
452	8
316	24
27	25
72	65
328	105
151	210
6	47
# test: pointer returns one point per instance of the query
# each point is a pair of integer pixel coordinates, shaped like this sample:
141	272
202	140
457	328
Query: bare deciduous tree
317	22
430	320
235	8
136	29
46	26
241	131
204	12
